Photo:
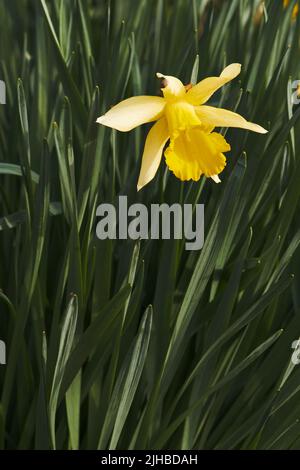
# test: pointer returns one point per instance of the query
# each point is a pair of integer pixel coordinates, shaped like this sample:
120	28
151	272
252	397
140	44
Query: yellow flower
295	9
181	116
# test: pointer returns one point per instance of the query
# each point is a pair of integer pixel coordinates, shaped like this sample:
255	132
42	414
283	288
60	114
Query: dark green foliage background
117	344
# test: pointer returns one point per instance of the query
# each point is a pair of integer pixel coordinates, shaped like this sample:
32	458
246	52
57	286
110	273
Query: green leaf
65	347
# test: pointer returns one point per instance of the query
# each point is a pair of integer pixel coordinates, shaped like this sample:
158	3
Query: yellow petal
133	112
193	152
216	179
155	142
218	117
173	87
201	92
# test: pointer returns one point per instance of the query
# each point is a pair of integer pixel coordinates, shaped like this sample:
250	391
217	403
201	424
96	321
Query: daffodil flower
183	118
295	8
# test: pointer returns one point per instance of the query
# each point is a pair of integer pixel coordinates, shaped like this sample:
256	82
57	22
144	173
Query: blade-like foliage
158	347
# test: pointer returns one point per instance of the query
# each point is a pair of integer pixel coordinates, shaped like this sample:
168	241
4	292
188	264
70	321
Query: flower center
180	116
